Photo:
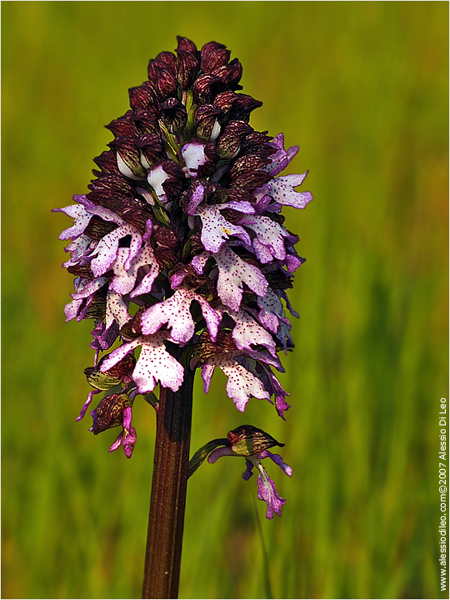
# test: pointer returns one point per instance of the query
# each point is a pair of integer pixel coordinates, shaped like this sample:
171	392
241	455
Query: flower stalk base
169	485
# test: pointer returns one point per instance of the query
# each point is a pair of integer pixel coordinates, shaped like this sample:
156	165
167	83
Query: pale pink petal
282	191
196	198
211	316
175	312
263	253
268	492
241	384
194	156
95	209
82	218
118	354
125	280
233	273
207	373
199	261
269	234
271	311
277	459
90	288
156	177
156	364
79	249
281	158
248	332
117	443
242	206
72	309
216	229
116	309
106	250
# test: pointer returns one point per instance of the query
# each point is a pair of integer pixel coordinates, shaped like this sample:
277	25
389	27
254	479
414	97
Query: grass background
362	87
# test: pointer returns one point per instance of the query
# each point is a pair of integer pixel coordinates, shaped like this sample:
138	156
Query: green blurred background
362	87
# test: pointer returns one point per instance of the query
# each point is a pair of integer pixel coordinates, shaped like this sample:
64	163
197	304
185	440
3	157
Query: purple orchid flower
179	251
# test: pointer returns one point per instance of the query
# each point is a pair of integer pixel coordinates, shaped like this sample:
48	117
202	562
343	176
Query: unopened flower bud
128	158
143	97
247	440
109	413
174	115
187	68
207	121
229	143
230	74
205	88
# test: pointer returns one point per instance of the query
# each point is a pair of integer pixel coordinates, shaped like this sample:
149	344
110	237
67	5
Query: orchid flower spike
179	249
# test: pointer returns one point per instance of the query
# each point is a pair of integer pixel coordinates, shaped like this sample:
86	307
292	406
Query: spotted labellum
179	251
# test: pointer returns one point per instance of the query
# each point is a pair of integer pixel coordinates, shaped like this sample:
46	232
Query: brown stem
168	499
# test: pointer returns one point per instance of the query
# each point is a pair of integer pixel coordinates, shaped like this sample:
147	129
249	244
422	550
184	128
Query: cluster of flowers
180	242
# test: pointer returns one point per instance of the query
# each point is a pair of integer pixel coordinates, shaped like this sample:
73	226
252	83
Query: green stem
168	498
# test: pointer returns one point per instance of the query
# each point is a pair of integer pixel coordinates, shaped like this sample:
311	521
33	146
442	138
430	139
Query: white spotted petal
107	248
269	241
233	273
247	332
216	229
282	191
175	313
125	279
82	218
154	363
241	384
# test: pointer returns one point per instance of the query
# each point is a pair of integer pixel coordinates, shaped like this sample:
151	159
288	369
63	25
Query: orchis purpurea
181	257
181	239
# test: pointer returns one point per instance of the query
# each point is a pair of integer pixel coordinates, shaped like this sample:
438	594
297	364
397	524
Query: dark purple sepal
176	181
206	118
257	143
143	97
128	157
165	245
151	146
174	115
230	140
205	88
242	107
213	56
107	162
247	172
186	45
230	74
225	101
163	80
247	440
187	68
123	126
97	228
109	412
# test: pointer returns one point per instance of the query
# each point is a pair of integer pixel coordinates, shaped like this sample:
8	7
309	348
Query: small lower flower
252	444
115	410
